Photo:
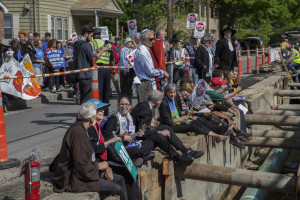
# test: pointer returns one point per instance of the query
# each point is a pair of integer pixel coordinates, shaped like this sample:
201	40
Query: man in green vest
106	59
294	61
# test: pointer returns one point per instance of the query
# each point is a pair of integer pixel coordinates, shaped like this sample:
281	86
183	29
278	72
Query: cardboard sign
104	33
119	147
191	20
199	29
56	58
24	88
130	57
74	36
132	27
198	93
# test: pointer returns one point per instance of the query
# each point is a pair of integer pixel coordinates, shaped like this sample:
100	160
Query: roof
105	8
3	7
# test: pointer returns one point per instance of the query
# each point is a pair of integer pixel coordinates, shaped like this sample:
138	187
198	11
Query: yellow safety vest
297	58
283	45
104	58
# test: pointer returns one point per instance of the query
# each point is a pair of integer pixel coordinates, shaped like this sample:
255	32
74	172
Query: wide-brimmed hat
99	104
228	28
128	40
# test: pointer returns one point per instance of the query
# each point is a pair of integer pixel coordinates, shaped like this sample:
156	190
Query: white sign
104	33
74	36
132	27
191	20
199	29
24	88
198	93
130	57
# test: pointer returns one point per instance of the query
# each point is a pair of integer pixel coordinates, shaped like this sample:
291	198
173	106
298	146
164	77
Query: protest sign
191	20
130	57
199	29
104	33
74	36
24	88
56	58
119	147
132	28
198	93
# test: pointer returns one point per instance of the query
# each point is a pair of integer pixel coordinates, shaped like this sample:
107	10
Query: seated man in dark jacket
161	135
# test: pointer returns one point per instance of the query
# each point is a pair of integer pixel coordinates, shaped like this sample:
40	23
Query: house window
8	26
59	29
66	29
53	27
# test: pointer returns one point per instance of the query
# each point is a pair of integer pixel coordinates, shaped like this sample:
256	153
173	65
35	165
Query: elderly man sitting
77	168
144	66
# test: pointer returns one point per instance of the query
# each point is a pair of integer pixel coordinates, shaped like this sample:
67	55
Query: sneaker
53	90
58	90
138	162
185	160
237	142
150	156
195	154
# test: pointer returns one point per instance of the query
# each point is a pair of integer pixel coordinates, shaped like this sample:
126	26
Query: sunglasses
150	39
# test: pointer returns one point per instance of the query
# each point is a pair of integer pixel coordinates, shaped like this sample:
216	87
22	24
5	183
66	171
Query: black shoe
195	154
229	130
185	160
150	156
244	139
243	133
237	142
138	162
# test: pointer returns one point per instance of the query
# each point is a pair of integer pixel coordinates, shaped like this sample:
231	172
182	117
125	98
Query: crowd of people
88	160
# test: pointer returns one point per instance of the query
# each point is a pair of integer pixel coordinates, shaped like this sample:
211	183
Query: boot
237	142
195	154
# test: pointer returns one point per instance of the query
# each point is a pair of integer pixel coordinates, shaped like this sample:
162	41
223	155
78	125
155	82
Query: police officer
106	59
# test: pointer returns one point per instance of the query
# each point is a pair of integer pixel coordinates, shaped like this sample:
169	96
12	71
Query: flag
24	88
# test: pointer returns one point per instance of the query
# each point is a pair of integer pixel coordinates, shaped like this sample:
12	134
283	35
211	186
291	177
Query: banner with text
191	20
132	27
56	58
24	88
199	29
104	33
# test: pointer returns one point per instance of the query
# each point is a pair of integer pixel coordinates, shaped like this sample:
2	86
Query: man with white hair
77	169
144	66
126	75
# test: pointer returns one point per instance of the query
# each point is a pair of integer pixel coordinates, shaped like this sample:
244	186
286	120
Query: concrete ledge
78	196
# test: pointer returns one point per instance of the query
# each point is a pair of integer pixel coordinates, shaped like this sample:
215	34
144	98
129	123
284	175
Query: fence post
248	60
5	162
239	62
269	55
263	62
187	65
257	60
95	85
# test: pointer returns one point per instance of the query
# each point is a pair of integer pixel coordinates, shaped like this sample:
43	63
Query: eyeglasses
150	39
124	105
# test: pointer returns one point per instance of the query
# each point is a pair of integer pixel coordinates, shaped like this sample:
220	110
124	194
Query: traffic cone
95	85
269	55
187	65
239	62
263	62
5	162
248	61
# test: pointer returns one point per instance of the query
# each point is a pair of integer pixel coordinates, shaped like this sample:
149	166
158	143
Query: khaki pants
143	90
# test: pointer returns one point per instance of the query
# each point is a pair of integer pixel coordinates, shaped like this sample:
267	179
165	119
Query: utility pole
170	20
207	16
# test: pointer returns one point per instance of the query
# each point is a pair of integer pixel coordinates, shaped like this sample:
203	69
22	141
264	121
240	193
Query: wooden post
170	20
170	185
207	16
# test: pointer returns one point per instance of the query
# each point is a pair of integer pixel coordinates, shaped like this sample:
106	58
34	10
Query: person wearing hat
225	58
126	75
204	60
191	48
105	58
45	42
293	61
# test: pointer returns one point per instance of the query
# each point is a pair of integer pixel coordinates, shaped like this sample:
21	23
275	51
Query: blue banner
56	58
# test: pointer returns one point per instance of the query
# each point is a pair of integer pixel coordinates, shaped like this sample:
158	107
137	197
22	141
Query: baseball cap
216	81
128	40
97	30
99	104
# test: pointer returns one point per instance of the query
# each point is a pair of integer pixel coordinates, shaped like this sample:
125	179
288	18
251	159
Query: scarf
143	50
125	121
211	61
229	43
102	156
174	111
184	105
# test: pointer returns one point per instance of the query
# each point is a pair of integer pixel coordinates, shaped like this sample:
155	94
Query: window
8	26
66	29
59	29
52	27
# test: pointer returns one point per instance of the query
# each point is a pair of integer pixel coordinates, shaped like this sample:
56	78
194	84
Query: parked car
252	42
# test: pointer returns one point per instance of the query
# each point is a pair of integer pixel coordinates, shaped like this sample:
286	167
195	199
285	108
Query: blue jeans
294	67
193	73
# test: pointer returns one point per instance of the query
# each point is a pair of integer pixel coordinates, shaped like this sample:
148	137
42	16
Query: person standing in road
213	43
144	66
105	58
294	62
191	48
178	55
225	58
45	42
283	47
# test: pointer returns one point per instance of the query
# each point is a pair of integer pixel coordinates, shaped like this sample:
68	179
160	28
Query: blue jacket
44	46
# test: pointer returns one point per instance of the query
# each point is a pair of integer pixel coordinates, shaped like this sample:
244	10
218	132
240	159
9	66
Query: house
60	18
